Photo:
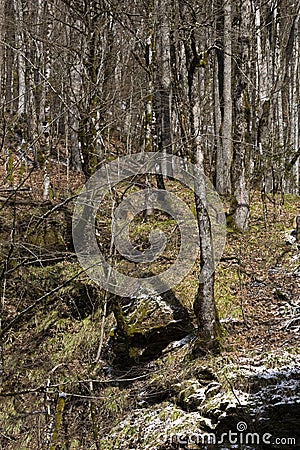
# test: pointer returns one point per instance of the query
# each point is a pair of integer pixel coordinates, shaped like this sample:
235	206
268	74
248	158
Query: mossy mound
146	325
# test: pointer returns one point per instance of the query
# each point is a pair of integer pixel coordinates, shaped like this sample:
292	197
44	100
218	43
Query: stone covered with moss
147	324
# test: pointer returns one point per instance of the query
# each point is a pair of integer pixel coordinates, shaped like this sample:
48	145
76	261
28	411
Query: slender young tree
241	130
224	157
204	303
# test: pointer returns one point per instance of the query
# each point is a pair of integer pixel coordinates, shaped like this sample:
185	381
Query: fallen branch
13	201
42	262
25	391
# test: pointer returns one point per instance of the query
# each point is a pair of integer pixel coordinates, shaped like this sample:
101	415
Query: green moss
201	60
40	157
134	352
49	320
85	338
10	165
57	421
226	293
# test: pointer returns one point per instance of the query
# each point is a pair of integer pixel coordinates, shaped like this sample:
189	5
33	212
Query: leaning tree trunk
204	303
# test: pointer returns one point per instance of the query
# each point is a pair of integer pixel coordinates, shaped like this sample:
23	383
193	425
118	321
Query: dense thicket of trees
218	79
218	83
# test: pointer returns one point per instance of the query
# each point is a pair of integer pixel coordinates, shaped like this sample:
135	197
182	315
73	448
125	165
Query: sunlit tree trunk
224	158
148	144
87	131
10	53
204	303
2	35
241	131
293	181
164	81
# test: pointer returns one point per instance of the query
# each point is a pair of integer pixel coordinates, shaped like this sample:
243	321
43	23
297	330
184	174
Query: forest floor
257	294
267	287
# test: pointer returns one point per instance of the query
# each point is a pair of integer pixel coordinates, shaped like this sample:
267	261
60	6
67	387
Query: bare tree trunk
10	40
2	36
204	303
224	160
217	112
164	81
22	106
148	143
294	177
240	170
87	131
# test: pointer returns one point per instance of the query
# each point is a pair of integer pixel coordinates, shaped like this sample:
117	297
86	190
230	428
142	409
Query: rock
270	405
184	342
289	237
259	402
154	429
212	389
191	394
275	398
205	375
146	325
